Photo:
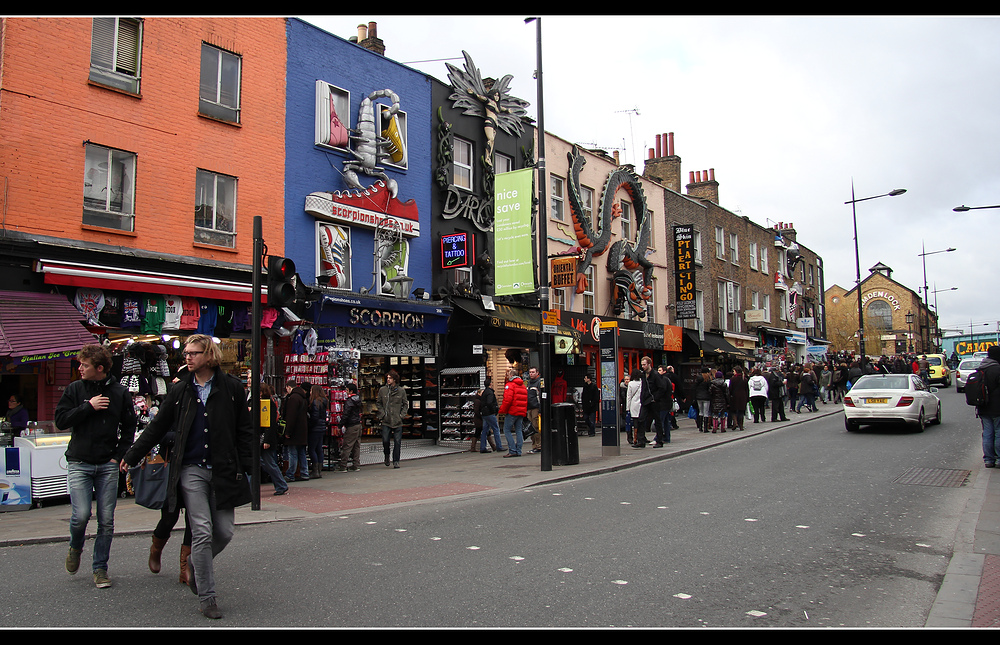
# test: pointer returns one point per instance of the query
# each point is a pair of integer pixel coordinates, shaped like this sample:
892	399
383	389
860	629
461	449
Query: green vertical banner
514	269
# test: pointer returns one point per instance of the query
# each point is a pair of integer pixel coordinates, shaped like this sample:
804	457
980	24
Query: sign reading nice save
514	269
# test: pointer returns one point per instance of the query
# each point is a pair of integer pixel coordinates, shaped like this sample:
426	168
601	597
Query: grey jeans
211	528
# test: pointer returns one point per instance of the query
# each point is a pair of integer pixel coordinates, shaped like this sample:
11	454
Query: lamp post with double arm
857	259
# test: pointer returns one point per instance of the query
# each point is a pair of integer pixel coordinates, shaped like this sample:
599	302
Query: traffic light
280	285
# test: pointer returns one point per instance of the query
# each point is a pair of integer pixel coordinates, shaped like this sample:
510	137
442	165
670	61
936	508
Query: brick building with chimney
757	292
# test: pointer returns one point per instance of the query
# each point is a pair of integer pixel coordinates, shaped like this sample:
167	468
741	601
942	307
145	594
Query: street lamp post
545	342
909	330
937	312
927	312
857	259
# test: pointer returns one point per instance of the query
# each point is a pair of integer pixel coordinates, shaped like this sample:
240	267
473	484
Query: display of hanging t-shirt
172	312
111	314
224	320
131	311
190	313
152	314
89	302
241	318
206	324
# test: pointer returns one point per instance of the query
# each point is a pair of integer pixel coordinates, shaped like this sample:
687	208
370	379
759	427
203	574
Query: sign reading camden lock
881	293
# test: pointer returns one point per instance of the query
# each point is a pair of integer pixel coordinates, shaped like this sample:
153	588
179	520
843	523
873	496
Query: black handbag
149	479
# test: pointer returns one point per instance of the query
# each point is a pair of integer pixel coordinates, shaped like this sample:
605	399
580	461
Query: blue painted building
358	179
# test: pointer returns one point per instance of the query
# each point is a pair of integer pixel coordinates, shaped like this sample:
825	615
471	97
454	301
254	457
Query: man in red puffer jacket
515	410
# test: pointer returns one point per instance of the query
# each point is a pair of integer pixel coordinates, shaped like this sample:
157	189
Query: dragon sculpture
632	273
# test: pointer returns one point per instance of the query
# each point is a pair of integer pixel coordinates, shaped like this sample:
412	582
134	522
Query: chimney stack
368	38
703	185
665	168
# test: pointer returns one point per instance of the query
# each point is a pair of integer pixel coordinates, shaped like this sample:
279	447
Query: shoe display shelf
459	388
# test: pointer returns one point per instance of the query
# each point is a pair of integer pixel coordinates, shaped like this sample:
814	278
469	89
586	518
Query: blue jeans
664	419
89	482
397	437
991	439
512	424
296	460
269	463
490	424
211	528
591	423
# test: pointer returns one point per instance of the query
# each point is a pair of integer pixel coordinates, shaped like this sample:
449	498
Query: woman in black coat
739	397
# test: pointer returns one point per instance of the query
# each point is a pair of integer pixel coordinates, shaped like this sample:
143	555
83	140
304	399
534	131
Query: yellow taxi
939	372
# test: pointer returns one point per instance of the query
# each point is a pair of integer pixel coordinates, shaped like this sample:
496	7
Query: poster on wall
514	267
334	254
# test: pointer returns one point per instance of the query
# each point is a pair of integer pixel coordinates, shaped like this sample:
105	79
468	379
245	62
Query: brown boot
185	552
154	554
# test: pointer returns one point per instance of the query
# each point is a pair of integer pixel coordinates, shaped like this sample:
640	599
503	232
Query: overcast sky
788	110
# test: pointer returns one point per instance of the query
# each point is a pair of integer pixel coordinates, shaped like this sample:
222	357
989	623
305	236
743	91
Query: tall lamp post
937	336
927	311
857	259
545	341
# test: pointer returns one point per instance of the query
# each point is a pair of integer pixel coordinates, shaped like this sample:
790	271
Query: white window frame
696	245
109	196
557	186
116	53
559	298
753	256
720	243
734	248
462	174
216	97
399	117
763	258
326	94
208	185
626	218
587	198
721	302
502	163
767	306
589	293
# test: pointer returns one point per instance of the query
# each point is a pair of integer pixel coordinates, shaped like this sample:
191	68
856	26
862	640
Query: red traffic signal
280	285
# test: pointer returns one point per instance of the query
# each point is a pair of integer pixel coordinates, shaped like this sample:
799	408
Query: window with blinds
115	53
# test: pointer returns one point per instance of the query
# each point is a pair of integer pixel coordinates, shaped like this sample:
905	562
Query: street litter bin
565	446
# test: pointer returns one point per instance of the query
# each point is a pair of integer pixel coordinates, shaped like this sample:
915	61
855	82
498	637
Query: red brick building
134	156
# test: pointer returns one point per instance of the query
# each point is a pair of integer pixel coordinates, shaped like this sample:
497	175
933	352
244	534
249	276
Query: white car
891	398
966	367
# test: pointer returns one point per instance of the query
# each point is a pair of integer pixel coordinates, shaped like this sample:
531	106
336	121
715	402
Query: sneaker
354	469
209	609
101	579
73	560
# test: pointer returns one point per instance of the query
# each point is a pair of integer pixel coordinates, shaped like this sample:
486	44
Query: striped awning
40	326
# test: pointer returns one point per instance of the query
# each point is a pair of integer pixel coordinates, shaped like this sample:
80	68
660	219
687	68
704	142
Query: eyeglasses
188	354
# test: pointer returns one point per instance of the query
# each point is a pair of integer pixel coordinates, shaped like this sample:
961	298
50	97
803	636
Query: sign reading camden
888	295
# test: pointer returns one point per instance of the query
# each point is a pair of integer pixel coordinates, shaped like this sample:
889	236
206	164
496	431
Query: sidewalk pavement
969	595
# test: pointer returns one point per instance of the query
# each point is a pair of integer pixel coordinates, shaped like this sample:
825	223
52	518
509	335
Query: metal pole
258	254
857	266
927	321
544	341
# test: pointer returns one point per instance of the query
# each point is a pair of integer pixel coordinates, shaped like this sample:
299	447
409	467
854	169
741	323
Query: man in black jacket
989	414
651	394
99	411
210	461
591	401
351	420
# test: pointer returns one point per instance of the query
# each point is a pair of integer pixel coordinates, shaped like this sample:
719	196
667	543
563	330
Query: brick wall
49	108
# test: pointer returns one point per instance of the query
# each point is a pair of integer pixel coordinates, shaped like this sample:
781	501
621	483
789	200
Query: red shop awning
101	277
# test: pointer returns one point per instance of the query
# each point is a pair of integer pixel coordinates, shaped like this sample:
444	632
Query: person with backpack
982	389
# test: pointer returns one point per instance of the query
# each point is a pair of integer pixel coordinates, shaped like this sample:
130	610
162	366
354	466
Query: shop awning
40	326
103	277
517	319
715	344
